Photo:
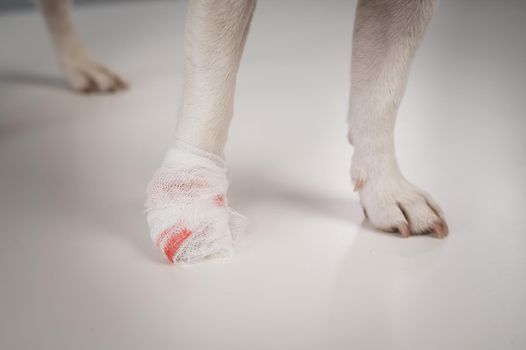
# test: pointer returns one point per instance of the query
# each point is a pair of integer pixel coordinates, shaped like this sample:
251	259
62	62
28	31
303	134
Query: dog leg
84	73
386	36
187	209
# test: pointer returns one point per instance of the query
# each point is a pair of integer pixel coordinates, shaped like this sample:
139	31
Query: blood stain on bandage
220	200
173	186
171	239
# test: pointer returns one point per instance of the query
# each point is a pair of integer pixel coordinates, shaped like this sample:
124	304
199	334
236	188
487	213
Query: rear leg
83	72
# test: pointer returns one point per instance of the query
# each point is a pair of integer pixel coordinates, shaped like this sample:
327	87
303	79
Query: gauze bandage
187	209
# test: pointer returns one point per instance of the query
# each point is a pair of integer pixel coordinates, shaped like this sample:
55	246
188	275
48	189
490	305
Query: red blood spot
220	200
176	236
180	225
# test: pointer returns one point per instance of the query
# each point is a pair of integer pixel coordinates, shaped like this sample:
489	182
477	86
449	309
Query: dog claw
404	230
440	230
359	184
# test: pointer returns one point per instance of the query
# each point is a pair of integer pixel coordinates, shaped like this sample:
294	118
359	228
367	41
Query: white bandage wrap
187	209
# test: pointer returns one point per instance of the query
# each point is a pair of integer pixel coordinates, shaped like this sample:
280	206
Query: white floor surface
77	268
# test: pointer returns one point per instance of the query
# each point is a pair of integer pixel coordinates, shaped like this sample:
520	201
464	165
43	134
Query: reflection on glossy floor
78	271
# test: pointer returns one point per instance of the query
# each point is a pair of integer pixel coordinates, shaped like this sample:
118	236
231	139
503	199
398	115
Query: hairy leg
214	39
84	73
187	208
386	36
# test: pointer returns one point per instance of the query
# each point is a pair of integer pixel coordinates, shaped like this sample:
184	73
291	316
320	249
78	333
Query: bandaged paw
187	209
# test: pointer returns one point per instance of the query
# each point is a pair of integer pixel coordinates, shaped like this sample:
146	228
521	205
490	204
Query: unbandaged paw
187	209
391	202
86	75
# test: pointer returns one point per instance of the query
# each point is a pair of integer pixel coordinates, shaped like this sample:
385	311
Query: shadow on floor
256	188
32	79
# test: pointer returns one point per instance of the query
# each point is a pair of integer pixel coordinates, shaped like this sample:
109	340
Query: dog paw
188	212
88	76
393	204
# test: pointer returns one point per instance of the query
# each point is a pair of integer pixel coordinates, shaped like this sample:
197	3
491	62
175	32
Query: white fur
214	39
386	36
